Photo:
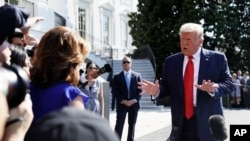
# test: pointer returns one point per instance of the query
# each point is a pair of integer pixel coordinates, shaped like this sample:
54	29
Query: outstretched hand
207	86
30	22
148	87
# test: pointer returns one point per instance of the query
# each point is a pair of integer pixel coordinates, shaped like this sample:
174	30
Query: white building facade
104	23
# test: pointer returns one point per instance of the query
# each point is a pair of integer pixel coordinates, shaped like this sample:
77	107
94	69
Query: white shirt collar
197	55
129	72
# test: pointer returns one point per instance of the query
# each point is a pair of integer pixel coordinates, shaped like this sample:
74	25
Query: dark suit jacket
11	17
120	91
214	67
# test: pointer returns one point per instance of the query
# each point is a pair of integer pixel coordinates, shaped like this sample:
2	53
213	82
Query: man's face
5	52
190	43
18	42
126	64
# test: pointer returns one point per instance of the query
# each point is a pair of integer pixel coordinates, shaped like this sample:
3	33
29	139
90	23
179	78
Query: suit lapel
204	62
179	77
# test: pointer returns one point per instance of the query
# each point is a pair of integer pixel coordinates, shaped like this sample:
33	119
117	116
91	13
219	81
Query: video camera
31	52
104	69
14	83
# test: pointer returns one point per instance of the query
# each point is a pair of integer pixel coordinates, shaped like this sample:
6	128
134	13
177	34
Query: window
82	22
124	34
13	2
106	29
59	20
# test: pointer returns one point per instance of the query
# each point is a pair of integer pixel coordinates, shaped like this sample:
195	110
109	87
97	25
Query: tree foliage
226	24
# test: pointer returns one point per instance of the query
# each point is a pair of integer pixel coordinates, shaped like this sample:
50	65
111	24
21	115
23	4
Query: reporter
23	116
4	111
13	17
20	57
18	39
15	104
55	71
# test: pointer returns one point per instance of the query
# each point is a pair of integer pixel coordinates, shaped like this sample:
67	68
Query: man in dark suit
209	81
127	94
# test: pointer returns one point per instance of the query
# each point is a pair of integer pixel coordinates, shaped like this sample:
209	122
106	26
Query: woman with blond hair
55	72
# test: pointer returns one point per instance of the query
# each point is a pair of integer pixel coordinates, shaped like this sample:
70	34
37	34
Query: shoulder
175	56
135	73
173	59
72	89
98	81
212	53
218	57
118	74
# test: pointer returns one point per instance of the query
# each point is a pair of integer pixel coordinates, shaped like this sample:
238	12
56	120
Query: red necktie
188	88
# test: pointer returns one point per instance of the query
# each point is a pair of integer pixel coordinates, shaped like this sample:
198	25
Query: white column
106	92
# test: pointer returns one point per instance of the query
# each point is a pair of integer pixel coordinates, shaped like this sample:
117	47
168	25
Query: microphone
217	127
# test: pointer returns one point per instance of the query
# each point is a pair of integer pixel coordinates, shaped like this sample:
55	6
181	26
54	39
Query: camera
31	52
81	71
104	69
14	83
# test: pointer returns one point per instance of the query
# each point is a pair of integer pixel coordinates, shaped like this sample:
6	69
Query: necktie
188	88
128	83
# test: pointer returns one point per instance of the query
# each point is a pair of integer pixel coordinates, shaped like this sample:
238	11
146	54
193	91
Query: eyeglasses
125	62
92	68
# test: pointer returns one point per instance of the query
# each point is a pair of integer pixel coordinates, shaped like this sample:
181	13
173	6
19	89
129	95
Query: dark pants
120	118
189	131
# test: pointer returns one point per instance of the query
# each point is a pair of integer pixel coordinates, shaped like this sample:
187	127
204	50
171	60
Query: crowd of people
37	90
59	99
240	97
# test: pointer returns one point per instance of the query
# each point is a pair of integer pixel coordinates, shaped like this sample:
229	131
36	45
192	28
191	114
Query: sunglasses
92	68
125	62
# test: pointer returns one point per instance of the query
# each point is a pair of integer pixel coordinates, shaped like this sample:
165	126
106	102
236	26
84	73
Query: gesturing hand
207	86
148	87
30	22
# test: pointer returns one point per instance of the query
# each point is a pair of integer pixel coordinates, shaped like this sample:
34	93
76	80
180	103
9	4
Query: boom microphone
217	127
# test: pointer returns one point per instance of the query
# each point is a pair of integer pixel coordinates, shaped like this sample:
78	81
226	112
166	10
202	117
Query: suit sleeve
115	89
225	85
113	94
163	82
138	96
